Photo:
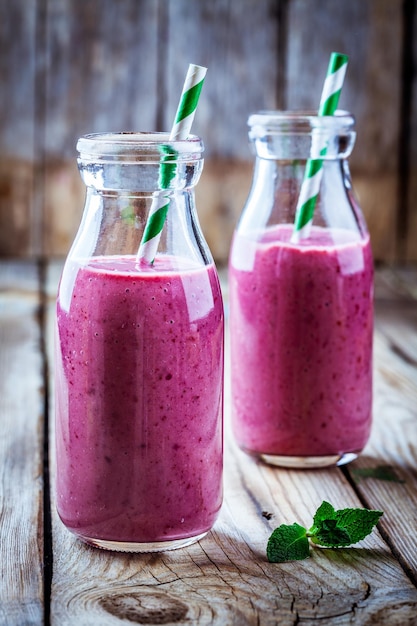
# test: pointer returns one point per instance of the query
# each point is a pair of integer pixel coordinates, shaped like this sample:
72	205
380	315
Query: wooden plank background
68	67
21	445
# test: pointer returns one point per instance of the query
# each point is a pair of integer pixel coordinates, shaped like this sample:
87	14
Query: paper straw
314	167
181	129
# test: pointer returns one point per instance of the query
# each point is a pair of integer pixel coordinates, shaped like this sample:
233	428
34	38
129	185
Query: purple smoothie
301	343
139	400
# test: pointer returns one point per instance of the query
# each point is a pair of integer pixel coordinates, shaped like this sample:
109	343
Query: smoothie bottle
139	356
301	312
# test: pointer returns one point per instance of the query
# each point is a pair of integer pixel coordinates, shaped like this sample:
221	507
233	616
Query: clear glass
139	356
301	313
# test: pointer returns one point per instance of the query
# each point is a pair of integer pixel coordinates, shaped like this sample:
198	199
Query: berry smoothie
301	343
139	400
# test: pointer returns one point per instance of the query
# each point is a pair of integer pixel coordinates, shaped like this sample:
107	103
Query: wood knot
145	607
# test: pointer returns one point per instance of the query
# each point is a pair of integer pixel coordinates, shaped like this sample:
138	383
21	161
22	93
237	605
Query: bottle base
151	546
308	462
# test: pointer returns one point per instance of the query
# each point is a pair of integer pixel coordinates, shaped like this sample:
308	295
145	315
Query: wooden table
49	577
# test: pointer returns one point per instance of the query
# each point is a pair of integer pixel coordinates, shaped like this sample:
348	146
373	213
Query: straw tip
198	67
197	71
339	58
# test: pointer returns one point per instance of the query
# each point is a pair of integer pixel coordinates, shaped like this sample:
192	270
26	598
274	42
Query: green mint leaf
325	511
331	528
329	534
128	215
359	523
341	528
288	543
381	472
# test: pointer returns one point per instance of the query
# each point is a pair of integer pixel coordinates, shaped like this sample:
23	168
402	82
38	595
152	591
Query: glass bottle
139	355
301	312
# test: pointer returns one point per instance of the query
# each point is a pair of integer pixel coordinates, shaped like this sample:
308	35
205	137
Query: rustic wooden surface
21	445
69	67
411	133
49	577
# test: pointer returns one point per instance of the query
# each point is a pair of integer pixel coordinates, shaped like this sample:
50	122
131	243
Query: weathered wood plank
386	474
19	224
396	283
21	447
411	244
221	35
361	30
71	67
238	43
226	579
102	76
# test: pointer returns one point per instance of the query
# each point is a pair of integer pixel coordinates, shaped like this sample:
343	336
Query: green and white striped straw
314	166
180	130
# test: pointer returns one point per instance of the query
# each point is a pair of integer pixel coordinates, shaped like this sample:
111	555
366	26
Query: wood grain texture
75	66
220	197
361	30
386	474
102	69
21	447
411	240
101	76
411	199
17	74
17	129
237	42
226	579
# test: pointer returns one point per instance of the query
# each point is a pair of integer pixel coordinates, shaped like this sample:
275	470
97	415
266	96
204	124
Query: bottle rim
290	122
142	145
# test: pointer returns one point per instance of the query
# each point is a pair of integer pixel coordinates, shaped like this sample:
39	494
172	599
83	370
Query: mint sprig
128	215
331	528
288	543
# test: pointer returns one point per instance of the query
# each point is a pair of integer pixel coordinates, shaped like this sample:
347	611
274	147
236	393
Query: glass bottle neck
128	178
139	162
283	135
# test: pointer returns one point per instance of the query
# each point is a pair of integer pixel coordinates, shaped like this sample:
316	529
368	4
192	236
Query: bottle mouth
302	134
294	122
138	146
